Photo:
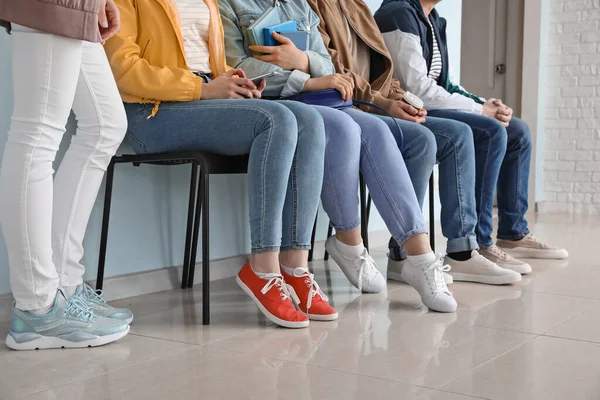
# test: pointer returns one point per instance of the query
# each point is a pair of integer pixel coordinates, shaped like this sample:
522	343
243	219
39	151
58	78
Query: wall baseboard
123	286
158	280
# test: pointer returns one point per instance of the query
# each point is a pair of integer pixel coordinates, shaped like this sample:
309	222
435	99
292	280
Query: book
289	26
255	31
300	39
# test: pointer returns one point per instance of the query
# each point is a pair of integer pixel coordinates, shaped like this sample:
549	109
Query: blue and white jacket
409	39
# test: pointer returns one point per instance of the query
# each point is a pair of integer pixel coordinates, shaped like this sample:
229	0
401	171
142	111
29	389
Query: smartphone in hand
256	80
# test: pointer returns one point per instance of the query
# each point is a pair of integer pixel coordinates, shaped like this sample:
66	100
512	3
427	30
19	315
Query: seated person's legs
361	135
419	158
299	213
268	131
490	146
455	154
513	182
512	192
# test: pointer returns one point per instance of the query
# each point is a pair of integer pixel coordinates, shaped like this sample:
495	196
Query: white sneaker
394	271
481	270
530	247
504	260
428	280
361	271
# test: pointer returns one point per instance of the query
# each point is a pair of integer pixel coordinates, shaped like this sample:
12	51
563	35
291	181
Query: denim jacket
237	15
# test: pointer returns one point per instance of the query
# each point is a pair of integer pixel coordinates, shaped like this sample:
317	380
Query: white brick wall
572	148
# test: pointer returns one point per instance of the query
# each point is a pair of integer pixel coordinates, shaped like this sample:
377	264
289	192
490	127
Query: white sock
423	259
290	271
42	311
350	252
261	274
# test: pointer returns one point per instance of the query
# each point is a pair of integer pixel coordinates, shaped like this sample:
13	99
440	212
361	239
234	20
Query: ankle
265	263
350	251
291	270
422	259
349	238
460	255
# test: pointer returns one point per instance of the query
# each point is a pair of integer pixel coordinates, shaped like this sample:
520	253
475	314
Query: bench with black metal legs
203	164
365	214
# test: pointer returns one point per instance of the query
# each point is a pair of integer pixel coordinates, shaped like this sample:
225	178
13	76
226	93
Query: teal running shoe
99	306
70	324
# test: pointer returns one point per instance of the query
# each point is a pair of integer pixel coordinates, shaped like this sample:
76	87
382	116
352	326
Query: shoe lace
285	291
77	307
498	252
312	284
93	295
367	269
540	244
435	275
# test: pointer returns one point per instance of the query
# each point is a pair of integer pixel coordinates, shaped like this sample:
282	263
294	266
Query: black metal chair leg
432	213
329	233
110	174
187	261
205	254
369	203
196	230
312	238
364	222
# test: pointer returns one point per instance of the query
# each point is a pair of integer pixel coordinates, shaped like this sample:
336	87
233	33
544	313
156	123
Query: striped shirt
194	20
436	61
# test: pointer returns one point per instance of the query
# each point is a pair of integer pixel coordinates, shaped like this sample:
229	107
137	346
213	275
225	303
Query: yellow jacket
147	56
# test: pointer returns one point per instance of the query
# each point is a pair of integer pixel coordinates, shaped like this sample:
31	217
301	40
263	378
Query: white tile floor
539	339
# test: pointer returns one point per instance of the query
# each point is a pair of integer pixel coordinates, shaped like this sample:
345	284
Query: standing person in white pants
57	67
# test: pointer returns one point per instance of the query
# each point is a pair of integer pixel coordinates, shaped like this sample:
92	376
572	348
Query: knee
280	125
343	134
497	134
520	129
375	131
113	128
461	136
310	126
429	146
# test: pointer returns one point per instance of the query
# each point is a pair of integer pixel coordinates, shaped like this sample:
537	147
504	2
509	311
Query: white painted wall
571	155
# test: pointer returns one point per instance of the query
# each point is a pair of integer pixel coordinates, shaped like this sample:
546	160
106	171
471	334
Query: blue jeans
286	143
502	157
358	141
456	157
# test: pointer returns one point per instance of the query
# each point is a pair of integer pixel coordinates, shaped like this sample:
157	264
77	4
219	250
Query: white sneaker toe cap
441	302
377	284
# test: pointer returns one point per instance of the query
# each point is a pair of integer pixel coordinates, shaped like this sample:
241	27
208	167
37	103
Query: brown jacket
77	19
384	89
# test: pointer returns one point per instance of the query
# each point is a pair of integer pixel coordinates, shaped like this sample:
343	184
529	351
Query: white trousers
44	220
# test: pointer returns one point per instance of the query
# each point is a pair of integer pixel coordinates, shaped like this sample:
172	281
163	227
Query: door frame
514	54
533	89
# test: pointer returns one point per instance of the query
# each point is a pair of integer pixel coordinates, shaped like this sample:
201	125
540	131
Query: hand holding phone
256	80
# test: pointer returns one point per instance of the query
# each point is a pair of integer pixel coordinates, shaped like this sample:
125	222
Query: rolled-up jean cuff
348	227
295	246
462	244
418	230
516	236
268	249
486	245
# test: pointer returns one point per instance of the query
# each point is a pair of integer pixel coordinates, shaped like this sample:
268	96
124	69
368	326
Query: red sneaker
272	296
313	301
